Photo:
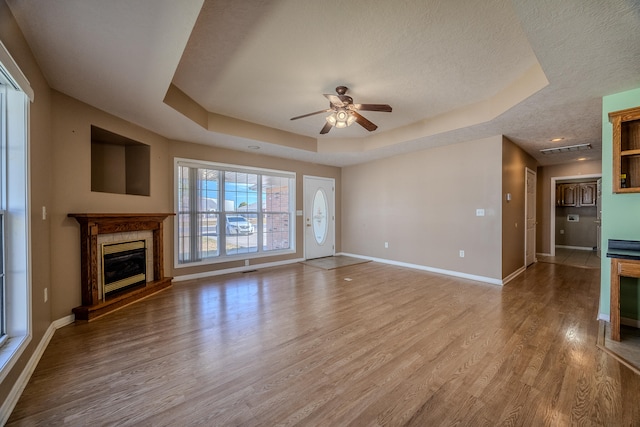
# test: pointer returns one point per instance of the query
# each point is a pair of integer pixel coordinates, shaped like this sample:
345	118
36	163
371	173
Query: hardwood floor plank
298	345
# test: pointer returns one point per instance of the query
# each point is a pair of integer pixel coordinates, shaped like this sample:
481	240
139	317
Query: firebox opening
124	266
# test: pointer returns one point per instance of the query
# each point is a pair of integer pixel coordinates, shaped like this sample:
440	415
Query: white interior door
530	234
319	217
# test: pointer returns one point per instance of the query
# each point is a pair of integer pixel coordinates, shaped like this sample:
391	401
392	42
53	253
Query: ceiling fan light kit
344	112
341	118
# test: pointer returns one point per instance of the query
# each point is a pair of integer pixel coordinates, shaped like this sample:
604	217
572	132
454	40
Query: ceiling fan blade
385	108
339	101
326	128
310	114
364	122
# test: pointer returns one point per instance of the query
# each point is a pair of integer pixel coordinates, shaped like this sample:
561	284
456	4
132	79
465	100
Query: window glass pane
276	231
208	190
183	215
240	192
207	218
240	234
275	193
319	214
3	327
208	232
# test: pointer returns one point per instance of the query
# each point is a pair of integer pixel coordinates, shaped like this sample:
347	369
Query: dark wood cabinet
566	194
576	194
588	194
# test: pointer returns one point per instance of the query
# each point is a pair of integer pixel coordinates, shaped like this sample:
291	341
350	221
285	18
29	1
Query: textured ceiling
452	70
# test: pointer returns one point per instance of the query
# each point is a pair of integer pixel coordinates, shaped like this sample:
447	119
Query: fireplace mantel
93	224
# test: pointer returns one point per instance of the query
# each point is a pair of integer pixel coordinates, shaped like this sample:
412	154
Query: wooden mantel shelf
93	224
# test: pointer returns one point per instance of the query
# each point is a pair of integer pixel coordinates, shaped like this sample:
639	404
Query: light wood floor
302	345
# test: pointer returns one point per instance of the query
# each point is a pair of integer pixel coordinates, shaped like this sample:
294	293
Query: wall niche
118	164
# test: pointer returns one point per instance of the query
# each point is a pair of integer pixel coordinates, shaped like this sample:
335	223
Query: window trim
226	167
15	201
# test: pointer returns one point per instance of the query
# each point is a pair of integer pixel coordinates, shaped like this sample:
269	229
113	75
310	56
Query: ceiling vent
566	148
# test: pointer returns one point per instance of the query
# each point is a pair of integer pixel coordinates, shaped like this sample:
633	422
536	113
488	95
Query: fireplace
124	266
101	231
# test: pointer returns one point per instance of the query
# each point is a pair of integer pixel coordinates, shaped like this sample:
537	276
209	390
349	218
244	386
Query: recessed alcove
118	164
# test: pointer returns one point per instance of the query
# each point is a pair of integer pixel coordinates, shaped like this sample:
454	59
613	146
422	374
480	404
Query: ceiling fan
344	112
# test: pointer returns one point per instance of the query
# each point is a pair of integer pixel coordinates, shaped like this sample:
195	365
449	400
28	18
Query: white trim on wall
552	214
250	267
19	386
484	279
13	73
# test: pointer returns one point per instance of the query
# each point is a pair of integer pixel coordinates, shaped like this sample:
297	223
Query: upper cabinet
576	194
626	150
588	194
566	194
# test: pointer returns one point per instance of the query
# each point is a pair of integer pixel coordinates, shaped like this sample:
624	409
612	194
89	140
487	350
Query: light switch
479	212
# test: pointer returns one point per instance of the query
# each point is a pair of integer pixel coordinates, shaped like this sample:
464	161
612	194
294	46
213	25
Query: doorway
319	217
530	209
572	217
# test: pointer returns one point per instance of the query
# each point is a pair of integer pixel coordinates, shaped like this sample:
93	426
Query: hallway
573	257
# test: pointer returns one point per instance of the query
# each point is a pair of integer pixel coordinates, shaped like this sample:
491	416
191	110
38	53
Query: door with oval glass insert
319	217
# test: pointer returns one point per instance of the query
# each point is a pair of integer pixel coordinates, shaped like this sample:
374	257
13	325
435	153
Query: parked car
239	225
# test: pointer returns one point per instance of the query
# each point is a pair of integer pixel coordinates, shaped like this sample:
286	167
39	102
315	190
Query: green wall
620	212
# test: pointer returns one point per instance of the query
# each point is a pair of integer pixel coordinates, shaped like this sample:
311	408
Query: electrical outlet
46	294
246	262
386	245
561	231
461	254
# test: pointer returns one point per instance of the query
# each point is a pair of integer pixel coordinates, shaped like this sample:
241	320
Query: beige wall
544	192
424	205
578	234
41	173
514	162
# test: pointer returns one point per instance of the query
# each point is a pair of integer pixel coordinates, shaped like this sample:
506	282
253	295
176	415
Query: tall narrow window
3	179
227	212
15	270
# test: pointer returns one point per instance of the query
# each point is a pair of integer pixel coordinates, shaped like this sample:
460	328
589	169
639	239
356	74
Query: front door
530	234
319	217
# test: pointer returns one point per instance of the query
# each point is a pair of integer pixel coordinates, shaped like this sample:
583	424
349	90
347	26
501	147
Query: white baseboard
234	270
15	393
578	248
430	269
